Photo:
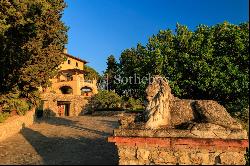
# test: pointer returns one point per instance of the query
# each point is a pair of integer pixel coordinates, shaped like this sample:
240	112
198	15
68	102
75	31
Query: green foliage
104	100
243	118
3	116
21	106
18	104
90	73
110	101
132	104
32	38
207	63
111	72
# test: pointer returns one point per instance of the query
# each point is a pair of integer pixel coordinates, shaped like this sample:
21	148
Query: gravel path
70	140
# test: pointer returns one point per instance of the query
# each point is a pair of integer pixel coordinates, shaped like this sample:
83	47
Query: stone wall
179	151
14	124
138	146
77	103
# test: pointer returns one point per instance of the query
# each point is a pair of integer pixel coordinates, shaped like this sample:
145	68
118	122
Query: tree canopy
90	73
111	72
210	62
32	38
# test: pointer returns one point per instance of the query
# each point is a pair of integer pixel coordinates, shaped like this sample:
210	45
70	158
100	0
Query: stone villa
69	91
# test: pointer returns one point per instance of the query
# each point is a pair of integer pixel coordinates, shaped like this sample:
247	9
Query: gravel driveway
69	140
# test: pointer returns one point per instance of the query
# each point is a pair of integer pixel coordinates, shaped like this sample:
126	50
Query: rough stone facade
50	104
14	124
69	90
156	151
172	147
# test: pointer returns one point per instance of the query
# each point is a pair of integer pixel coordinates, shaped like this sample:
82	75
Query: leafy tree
132	68
132	104
90	73
111	72
104	100
210	62
32	38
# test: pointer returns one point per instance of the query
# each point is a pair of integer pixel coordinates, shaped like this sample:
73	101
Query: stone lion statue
165	110
159	99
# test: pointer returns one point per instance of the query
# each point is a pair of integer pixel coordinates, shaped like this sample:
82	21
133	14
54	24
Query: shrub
20	105
3	116
104	100
110	101
132	104
16	102
243	118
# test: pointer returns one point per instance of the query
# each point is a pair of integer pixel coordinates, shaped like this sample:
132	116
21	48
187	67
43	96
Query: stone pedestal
173	147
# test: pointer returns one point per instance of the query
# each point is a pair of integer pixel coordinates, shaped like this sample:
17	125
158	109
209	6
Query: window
86	91
68	61
76	64
66	90
69	77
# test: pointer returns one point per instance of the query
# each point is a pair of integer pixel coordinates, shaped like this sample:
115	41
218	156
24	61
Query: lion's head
158	84
158	108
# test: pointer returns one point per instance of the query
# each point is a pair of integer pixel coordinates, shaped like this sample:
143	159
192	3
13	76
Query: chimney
65	51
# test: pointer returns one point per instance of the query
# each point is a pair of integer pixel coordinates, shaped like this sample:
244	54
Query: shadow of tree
40	113
68	150
58	121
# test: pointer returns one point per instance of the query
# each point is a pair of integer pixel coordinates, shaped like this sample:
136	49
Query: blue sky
99	28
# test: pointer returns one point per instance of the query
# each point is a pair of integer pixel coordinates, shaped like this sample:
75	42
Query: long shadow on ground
57	121
58	150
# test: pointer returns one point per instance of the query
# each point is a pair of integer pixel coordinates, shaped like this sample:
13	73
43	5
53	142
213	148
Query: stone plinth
161	147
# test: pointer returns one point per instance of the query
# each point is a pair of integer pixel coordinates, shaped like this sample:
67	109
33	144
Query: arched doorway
66	90
86	91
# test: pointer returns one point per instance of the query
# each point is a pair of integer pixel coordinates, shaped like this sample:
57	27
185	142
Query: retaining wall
14	124
179	151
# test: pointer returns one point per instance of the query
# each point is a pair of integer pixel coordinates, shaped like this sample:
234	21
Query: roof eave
71	56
